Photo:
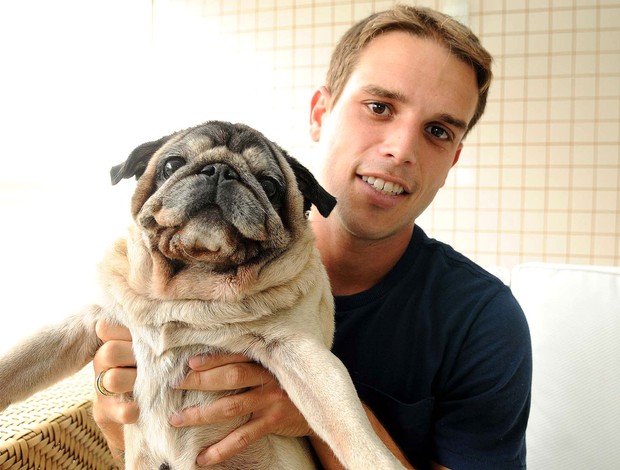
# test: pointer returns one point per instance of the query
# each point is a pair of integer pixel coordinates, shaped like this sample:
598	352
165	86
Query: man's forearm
325	454
386	438
329	460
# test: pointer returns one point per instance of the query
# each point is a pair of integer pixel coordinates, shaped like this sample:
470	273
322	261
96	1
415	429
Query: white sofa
574	317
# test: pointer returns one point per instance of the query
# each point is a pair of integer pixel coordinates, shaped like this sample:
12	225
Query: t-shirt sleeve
483	410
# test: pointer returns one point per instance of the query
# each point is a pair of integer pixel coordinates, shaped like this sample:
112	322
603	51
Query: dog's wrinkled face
215	203
220	194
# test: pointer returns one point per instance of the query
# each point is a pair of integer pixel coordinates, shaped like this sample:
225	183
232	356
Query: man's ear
319	106
457	155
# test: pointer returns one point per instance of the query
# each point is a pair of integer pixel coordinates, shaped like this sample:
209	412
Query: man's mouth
384	187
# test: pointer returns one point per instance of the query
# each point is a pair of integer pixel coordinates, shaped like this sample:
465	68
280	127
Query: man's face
399	120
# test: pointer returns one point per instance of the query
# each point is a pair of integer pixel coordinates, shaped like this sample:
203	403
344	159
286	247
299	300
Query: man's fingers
114	353
222	410
232	444
107	331
115	360
119	380
207	362
228	377
109	412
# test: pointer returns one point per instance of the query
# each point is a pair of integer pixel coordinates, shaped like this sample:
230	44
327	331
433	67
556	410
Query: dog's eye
270	186
171	165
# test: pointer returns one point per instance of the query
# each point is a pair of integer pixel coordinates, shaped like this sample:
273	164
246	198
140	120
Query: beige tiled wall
544	170
539	177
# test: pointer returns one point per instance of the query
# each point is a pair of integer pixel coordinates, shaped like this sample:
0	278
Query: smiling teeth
384	187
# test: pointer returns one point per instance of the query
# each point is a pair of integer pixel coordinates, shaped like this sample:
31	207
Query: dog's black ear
137	161
312	191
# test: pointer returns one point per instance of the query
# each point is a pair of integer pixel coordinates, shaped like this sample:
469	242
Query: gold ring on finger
99	385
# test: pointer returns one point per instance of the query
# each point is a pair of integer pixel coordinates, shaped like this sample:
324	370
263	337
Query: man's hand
271	410
115	357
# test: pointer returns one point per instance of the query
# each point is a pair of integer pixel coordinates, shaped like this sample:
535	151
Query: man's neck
354	264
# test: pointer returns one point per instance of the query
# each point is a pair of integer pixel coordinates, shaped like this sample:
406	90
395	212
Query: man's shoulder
446	264
460	292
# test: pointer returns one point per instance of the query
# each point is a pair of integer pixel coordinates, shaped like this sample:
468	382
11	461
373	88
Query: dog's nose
219	172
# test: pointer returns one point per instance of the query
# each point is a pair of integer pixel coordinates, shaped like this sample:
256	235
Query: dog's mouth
207	238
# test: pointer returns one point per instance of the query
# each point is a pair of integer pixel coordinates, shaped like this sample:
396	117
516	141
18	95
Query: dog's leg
48	356
320	386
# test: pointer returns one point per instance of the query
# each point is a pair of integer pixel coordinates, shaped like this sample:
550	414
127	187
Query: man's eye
438	132
380	109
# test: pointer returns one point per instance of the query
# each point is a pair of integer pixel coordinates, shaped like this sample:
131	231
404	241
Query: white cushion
503	274
574	317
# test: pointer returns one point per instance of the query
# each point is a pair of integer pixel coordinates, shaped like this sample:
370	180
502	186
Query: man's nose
401	143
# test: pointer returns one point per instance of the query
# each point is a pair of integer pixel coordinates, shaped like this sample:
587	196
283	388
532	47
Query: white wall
82	83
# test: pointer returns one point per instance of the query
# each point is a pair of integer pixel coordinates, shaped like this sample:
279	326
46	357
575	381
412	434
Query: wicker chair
54	429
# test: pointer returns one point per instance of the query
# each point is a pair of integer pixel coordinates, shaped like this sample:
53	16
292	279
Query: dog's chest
158	399
162	364
160	443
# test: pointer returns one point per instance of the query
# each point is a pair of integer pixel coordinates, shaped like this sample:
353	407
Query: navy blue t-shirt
440	351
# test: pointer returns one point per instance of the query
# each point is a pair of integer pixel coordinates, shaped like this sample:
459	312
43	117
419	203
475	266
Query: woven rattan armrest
54	429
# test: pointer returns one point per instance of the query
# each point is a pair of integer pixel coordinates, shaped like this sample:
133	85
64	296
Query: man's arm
329	461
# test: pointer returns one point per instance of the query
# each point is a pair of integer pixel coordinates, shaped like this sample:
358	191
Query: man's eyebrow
381	92
458	123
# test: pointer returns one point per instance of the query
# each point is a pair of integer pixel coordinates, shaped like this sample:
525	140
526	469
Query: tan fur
180	298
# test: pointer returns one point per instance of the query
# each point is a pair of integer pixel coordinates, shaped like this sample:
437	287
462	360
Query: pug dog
220	258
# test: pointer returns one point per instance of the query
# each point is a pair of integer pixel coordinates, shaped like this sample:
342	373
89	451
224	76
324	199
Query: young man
438	349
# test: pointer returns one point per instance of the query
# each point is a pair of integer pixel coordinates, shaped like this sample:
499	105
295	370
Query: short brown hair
421	22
